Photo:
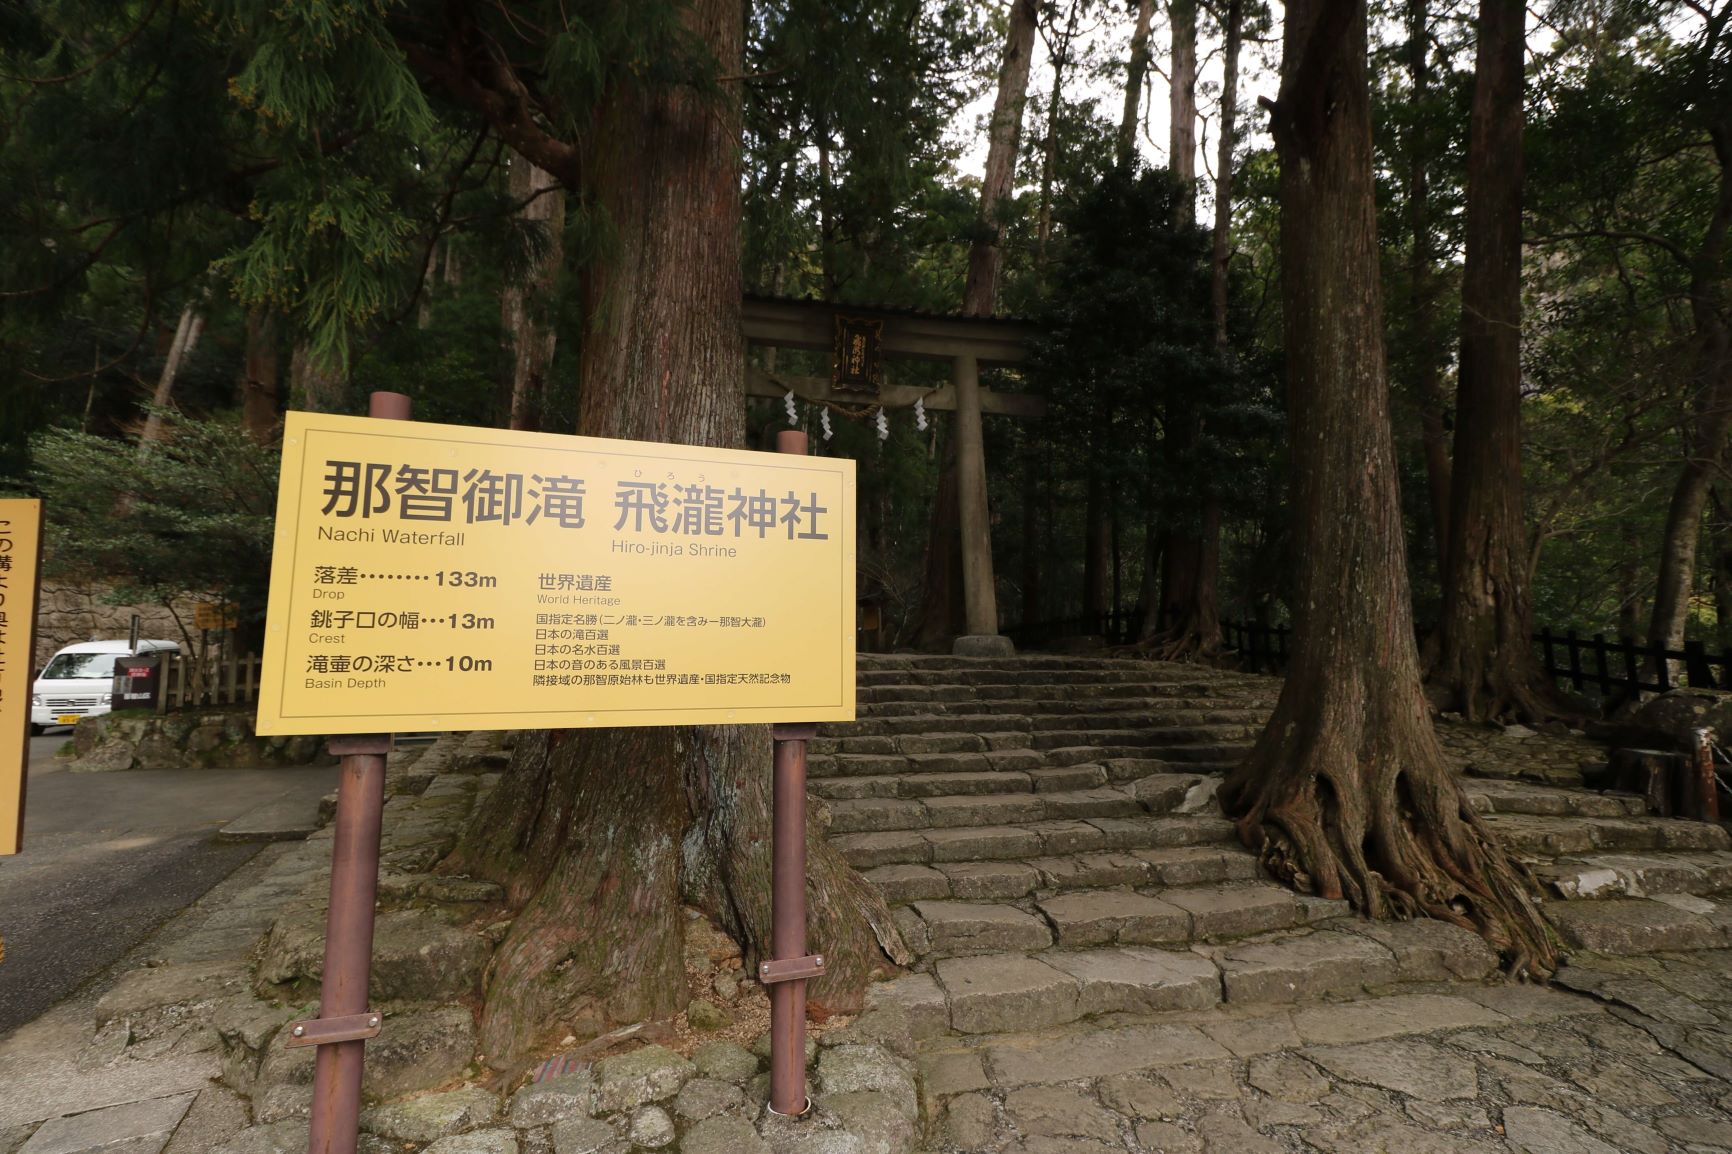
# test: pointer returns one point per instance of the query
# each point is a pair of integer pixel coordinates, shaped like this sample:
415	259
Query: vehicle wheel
37	730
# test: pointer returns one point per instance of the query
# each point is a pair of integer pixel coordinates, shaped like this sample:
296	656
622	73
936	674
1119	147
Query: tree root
1397	839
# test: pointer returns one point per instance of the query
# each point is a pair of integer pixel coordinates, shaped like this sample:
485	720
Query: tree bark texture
186	335
940	612
1711	413
1484	665
315	384
1190	611
1421	281
600	835
1136	74
1221	243
1097	549
1182	103
942	608
527	306
260	376
1004	134
1346	793
1061	42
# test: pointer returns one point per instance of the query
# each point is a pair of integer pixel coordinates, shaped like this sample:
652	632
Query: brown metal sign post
790	967
345	1023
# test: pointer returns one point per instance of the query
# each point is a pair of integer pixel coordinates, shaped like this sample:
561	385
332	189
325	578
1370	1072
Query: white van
78	681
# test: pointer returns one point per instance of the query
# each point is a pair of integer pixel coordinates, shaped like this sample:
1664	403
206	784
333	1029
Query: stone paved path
1467	1068
1099	967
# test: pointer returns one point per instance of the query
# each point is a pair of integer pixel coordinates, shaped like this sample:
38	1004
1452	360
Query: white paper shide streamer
883	424
788	402
824	419
920	413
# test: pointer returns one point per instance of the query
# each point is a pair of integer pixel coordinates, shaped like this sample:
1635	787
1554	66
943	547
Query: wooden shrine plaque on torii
967	343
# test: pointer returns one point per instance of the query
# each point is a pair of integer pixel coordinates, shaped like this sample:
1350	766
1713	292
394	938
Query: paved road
108	857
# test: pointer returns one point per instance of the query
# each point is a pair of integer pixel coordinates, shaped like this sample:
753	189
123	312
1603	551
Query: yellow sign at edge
541	581
21	550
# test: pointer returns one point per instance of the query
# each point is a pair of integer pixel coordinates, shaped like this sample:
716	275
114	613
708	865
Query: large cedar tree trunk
600	835
527	306
1004	135
260	378
1189	612
1182	102
1346	793
941	611
1421	279
1221	241
186	336
1711	421
1136	72
316	384
1484	665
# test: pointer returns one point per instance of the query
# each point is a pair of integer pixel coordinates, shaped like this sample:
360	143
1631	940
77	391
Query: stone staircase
1046	832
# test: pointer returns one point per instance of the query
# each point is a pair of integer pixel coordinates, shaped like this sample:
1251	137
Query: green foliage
194	514
1138	390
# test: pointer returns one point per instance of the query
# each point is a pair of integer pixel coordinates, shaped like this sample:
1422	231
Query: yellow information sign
437	577
20	562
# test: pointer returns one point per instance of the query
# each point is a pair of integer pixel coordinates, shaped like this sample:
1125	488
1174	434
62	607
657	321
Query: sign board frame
20	593
339	508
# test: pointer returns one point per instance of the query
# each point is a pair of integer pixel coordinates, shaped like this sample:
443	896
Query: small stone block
1003	992
958	928
908	882
974	881
1235	911
1301	968
1098	917
1139	979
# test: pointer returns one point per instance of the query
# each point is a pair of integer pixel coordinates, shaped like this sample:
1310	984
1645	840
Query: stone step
1201	758
1518	797
1026	841
1147	780
1011	994
950	726
1553	837
1010	880
1152	737
1072	679
940	699
1641	926
1170	917
1638	875
954	811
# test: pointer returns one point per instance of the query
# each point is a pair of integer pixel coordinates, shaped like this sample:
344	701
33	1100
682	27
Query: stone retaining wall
71	613
187	739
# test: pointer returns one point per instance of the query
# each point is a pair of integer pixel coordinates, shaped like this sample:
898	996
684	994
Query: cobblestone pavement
1640	1063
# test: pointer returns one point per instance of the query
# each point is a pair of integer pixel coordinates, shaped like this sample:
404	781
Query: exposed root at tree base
1396	842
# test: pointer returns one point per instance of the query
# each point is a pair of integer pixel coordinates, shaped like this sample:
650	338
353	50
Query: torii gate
858	337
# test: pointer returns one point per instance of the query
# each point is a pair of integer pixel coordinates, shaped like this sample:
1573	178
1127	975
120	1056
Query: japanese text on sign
20	551
438	577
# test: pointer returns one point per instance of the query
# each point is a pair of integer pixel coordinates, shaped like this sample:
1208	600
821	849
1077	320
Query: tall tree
1484	666
1421	280
1136	74
597	861
1188	617
941	601
1710	410
260	377
1346	793
1004	137
527	304
1182	96
1221	250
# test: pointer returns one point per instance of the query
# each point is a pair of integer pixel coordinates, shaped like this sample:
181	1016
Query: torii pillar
979	592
